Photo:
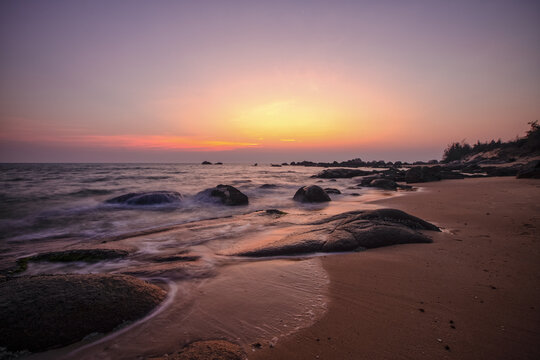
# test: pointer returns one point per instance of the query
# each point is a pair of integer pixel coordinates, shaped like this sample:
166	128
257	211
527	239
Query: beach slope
474	293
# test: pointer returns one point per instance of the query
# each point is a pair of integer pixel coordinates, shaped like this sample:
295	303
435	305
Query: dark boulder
419	174
332	191
206	163
46	311
351	231
530	170
341	173
385	184
147	198
224	194
311	194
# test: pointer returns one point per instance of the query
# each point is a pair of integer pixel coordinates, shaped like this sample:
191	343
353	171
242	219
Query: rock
351	231
341	173
385	184
208	350
450	175
332	191
206	163
225	194
86	255
147	198
311	194
531	170
218	163
268	186
275	212
419	174
45	311
502	171
275	165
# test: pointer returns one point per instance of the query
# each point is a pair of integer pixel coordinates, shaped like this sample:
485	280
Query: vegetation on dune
529	144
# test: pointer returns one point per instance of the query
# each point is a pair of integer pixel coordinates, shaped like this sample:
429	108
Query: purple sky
248	81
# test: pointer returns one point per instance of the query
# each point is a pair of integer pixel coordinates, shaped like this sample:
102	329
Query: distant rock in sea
350	231
342	173
311	194
206	163
147	198
225	194
46	311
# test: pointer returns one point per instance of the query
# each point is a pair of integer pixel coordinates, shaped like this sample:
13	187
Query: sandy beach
472	294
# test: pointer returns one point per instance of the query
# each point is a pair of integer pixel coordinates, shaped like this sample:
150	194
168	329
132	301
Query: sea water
54	207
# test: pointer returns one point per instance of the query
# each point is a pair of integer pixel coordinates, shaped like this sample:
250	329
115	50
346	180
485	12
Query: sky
263	81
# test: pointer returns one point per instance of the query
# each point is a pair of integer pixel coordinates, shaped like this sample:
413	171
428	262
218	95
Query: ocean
55	207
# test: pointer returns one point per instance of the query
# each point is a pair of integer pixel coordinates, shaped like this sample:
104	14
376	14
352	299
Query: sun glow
288	121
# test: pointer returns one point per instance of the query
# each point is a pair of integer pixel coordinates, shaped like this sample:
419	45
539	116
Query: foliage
528	144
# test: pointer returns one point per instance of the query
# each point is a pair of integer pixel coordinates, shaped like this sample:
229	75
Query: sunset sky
248	81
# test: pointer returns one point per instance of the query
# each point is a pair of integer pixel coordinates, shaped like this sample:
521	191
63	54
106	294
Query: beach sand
472	294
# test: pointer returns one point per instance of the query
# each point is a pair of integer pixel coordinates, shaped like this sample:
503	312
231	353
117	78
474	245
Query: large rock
224	194
350	231
311	194
147	198
530	170
45	311
341	173
385	184
419	174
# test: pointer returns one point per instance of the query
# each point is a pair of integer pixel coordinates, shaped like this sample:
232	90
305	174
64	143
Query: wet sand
472	294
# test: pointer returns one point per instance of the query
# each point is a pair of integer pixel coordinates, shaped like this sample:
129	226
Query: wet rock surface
350	231
311	194
224	194
85	255
147	198
46	311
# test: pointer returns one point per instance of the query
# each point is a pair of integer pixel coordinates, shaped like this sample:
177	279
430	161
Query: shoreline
471	294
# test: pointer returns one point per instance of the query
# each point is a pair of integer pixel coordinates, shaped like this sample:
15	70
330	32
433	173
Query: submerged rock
45	311
225	194
147	198
312	193
268	186
332	191
350	231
